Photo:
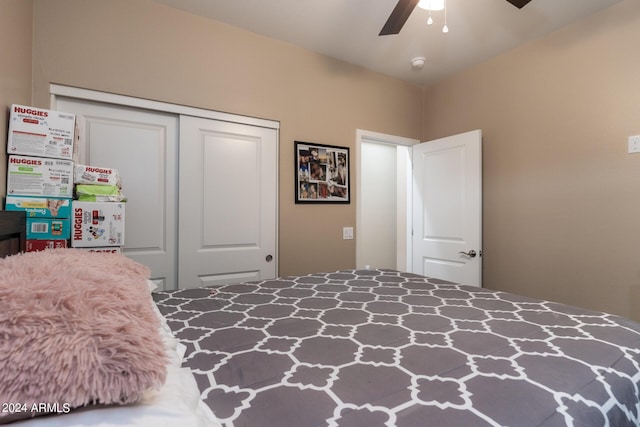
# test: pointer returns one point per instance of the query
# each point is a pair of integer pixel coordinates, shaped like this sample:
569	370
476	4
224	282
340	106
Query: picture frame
322	173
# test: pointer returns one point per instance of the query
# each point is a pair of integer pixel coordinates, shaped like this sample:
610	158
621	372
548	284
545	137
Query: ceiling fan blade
519	3
398	17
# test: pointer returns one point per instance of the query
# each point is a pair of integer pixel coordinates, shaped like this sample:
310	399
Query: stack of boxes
40	173
40	181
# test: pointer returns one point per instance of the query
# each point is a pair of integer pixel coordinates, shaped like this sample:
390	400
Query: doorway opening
383	210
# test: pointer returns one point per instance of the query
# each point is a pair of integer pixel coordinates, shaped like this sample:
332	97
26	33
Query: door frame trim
404	209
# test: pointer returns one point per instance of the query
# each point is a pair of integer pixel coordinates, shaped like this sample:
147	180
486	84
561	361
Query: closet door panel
142	145
228	205
231	195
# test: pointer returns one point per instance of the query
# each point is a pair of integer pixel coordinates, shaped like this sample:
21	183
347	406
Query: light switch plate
634	144
347	233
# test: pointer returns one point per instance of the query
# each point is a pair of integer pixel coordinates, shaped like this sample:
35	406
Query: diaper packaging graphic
97	224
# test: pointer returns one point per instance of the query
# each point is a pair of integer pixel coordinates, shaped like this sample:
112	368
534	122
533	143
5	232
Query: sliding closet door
227	199
201	185
142	145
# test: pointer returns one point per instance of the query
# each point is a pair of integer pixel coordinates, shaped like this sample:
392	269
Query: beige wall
561	194
148	50
15	67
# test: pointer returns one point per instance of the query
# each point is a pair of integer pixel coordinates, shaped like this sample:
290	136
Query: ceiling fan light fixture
445	29
431	4
403	9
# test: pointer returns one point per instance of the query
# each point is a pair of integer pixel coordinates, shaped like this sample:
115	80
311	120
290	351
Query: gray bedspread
384	348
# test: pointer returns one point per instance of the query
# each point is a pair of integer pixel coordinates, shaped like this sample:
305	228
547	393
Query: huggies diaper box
38	132
40	207
38	176
97	224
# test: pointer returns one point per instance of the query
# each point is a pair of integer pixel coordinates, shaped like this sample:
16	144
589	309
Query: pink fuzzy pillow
76	328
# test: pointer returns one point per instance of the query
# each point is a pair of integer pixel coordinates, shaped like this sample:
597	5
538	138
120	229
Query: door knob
268	258
470	254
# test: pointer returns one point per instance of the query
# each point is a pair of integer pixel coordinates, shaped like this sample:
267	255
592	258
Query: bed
83	344
382	347
374	348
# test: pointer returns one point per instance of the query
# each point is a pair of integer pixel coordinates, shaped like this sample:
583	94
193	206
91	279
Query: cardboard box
48	228
97	224
111	250
41	245
38	132
40	207
38	176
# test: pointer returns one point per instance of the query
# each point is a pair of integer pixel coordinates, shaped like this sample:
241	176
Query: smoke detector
418	62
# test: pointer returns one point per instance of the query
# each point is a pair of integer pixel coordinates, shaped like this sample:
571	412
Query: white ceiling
348	29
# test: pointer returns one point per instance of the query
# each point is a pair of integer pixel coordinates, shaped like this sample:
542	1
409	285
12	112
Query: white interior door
447	208
227	199
142	145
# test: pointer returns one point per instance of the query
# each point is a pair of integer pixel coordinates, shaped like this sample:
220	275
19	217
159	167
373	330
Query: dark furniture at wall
13	232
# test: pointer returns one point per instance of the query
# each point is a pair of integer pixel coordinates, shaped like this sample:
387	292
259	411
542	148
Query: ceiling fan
403	9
